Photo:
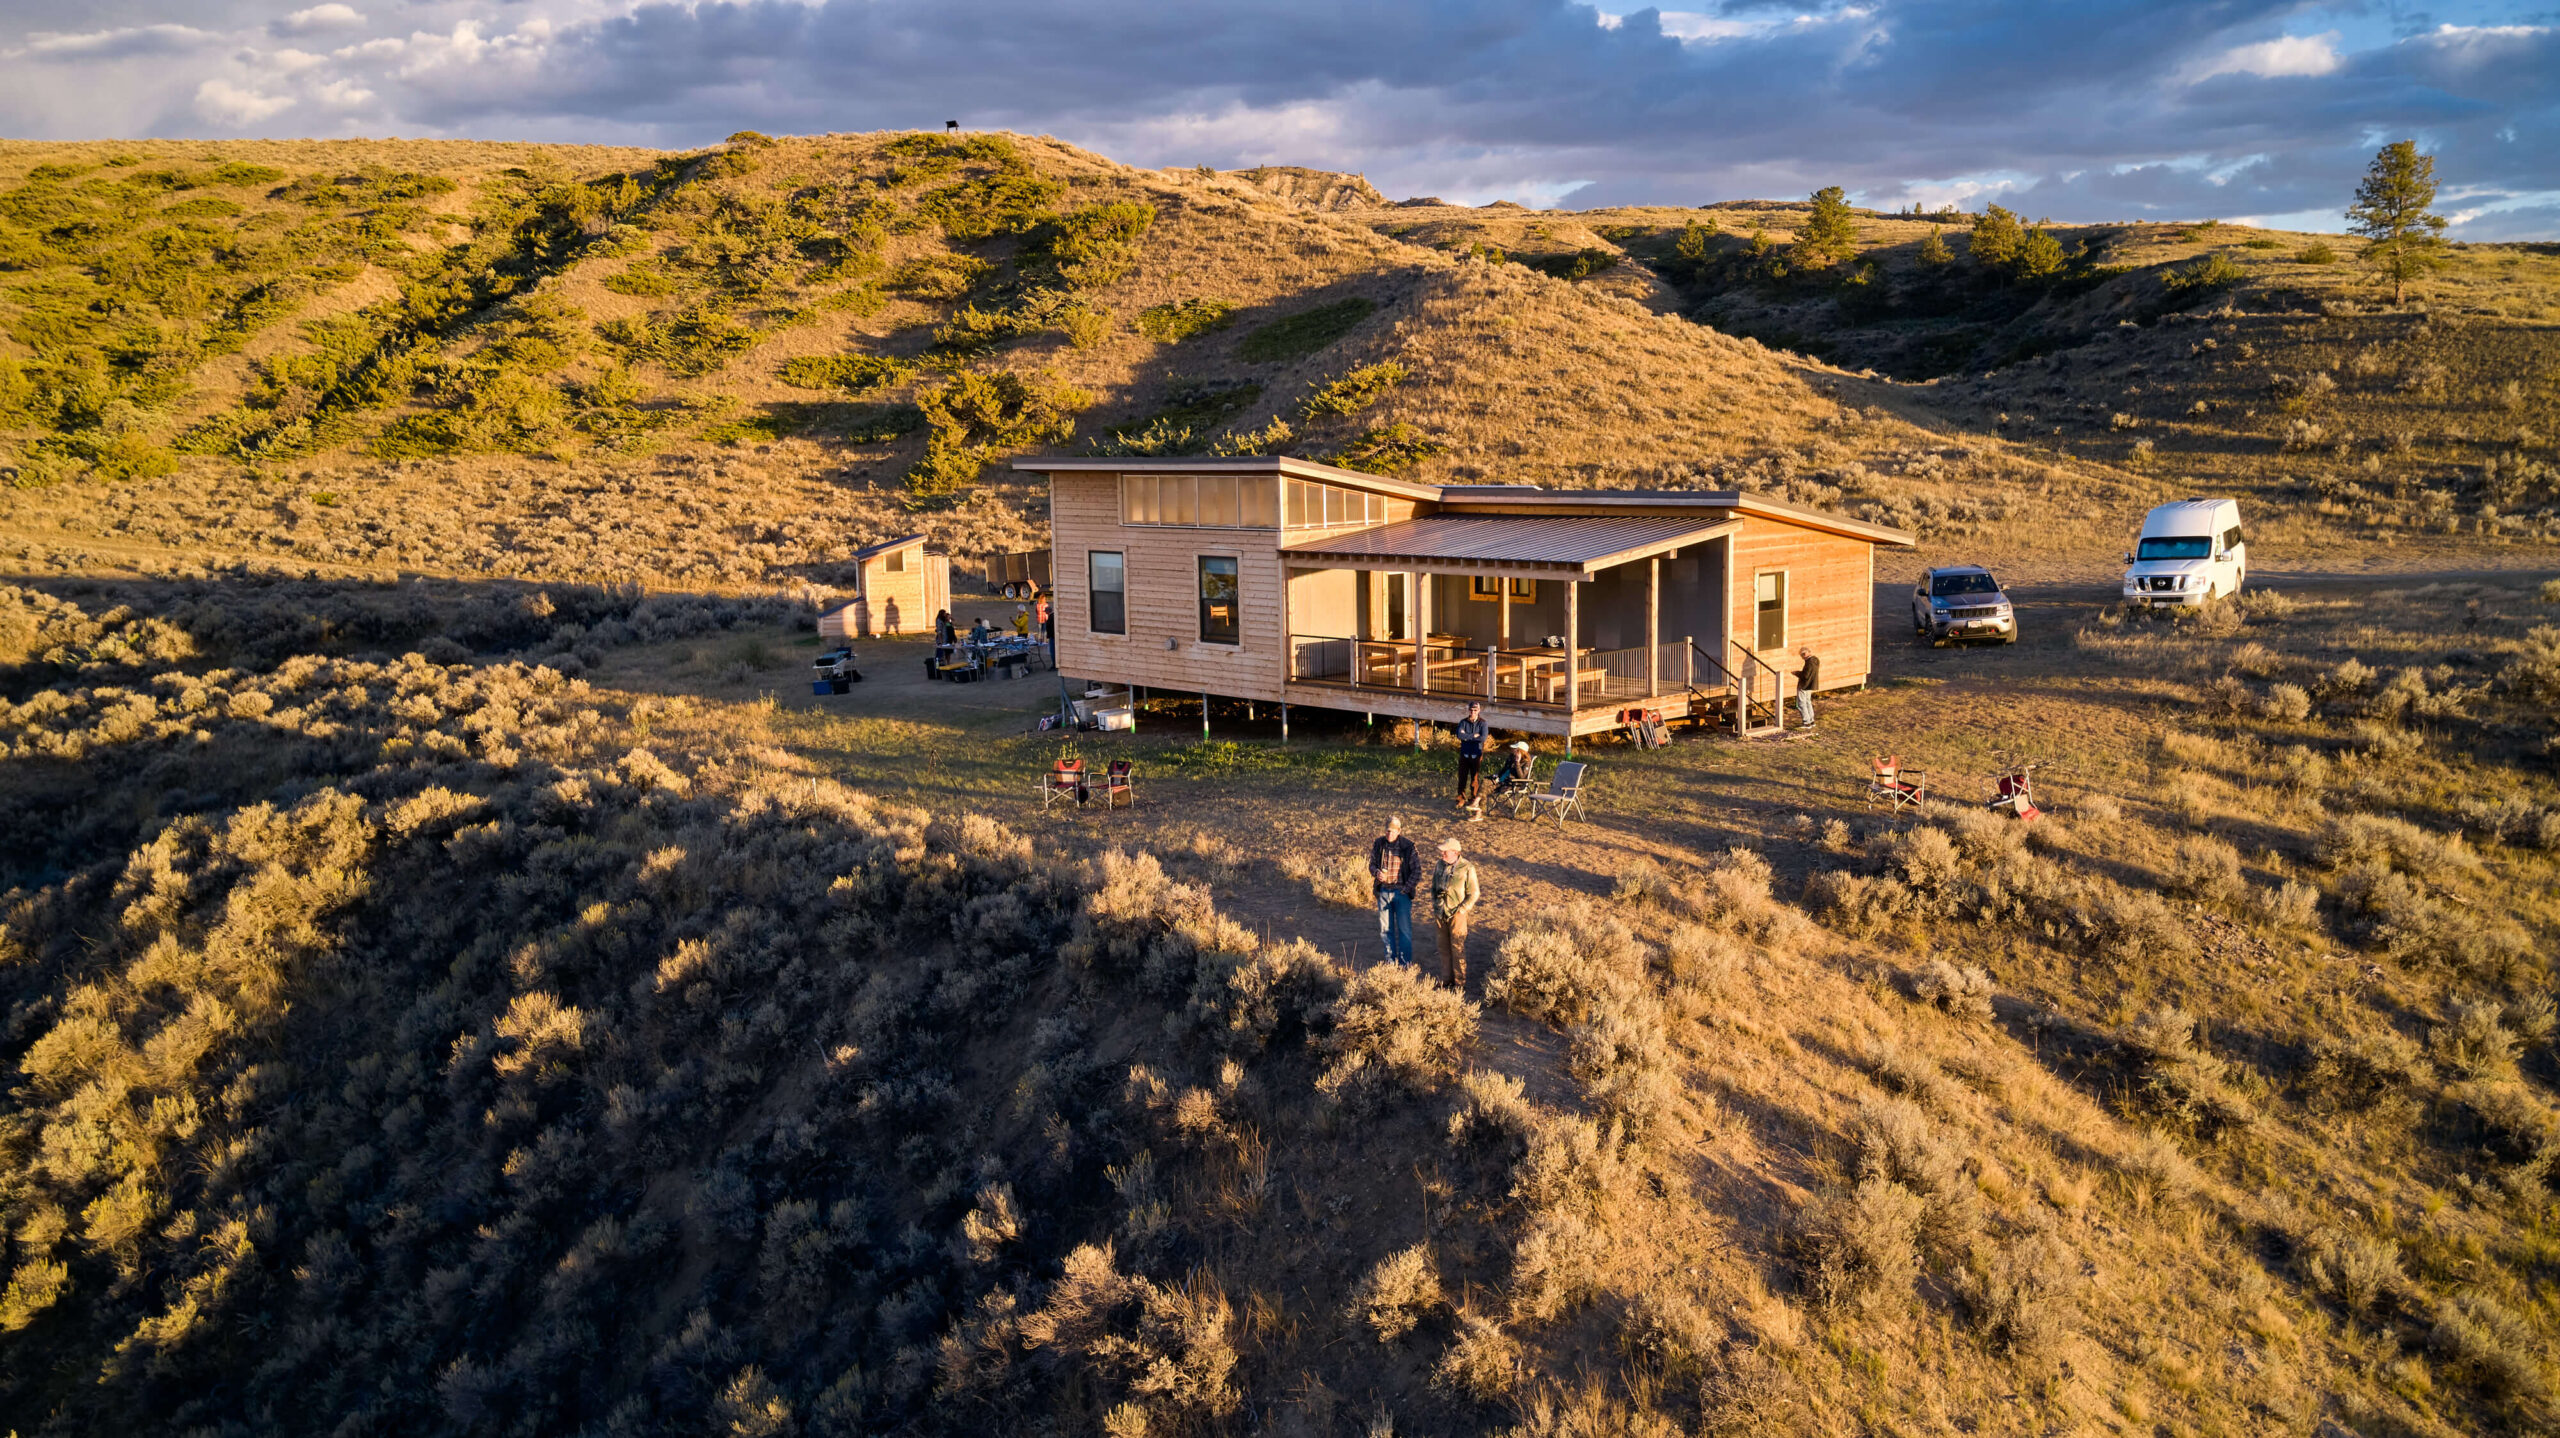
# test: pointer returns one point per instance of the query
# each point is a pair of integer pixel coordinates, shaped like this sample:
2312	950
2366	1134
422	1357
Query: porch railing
1532	676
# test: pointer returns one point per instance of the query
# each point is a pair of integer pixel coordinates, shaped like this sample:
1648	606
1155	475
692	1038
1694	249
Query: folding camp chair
2014	789
1896	787
1119	786
1562	796
1063	781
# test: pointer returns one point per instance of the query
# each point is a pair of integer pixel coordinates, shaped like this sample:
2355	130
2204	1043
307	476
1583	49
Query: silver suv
1962	602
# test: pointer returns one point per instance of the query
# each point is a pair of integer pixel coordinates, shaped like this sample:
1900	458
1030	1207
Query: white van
2190	552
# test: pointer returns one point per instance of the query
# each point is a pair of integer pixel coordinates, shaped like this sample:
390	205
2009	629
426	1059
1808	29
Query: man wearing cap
1471	737
1454	894
1395	871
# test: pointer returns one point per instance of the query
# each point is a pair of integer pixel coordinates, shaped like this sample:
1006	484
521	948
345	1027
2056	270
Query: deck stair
1746	695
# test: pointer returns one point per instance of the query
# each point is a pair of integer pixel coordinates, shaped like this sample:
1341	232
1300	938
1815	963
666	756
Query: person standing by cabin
1454	896
945	634
1808	679
1472	731
1395	870
1049	630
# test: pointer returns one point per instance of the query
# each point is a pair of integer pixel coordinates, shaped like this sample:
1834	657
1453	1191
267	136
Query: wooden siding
1162	648
1830	597
887	603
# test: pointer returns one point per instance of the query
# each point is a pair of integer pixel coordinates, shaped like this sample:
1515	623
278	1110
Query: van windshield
1962	584
2195	547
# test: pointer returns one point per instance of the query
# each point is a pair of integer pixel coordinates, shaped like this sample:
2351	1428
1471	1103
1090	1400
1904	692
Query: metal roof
873	551
1493	498
1583	543
1280	464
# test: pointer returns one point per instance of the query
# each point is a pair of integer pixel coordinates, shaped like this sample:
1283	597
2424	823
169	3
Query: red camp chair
1896	787
1119	786
2015	790
1062	781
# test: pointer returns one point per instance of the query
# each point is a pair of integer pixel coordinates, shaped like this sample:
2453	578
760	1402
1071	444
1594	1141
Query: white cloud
226	103
2271	59
1689	25
318	17
287	60
117	44
370	49
342	94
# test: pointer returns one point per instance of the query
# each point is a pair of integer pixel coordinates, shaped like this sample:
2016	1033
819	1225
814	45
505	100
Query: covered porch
1557	625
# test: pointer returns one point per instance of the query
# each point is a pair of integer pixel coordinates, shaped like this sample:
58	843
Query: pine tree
1693	240
1996	237
1934	251
2402	240
1830	234
2039	255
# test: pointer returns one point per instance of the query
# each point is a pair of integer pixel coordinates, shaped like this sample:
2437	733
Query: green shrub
239	172
1580	264
854	374
976	414
940	277
636	280
1190	414
2318	252
1354	391
1179	320
1304	333
2213	272
1090	247
1391	450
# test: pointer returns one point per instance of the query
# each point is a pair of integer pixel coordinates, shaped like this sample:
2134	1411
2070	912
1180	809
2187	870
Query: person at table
1022	621
980	633
945	634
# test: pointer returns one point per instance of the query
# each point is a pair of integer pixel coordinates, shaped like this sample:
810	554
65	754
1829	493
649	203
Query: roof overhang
1286	466
1520	499
1555	546
1491	499
874	551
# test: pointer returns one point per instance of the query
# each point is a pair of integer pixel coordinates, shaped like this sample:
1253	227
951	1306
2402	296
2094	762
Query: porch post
1421	631
1288	641
1502	641
1572	658
1653	627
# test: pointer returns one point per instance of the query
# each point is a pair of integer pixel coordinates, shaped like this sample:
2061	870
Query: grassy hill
450	981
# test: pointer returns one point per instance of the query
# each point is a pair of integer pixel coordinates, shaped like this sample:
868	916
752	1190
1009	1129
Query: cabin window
1220	622
1769	606
1328	506
1201	501
896	563
1109	591
1489	587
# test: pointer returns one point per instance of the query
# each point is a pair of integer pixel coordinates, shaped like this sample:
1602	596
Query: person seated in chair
1515	776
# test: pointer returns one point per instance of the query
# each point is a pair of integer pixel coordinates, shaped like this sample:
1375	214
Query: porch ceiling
1579	545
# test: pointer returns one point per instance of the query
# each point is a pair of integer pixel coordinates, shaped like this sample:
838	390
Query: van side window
2231	537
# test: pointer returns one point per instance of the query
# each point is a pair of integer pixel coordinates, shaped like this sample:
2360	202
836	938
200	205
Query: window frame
1786	602
1092	614
1235	597
1488	587
894	562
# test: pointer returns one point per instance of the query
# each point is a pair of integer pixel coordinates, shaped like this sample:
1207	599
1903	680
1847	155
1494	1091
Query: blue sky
2112	109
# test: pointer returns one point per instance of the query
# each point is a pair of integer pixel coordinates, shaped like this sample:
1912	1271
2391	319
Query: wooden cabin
898	587
1563	611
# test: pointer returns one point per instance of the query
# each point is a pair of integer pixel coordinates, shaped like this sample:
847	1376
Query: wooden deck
1534	718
